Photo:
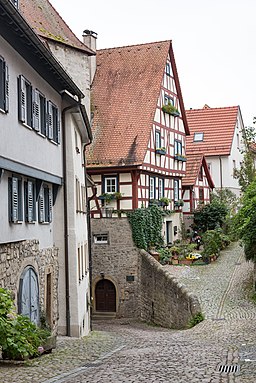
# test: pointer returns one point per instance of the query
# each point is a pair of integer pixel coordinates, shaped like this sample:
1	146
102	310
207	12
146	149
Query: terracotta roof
217	126
48	24
193	165
125	91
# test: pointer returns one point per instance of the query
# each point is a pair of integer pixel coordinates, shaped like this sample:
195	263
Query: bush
210	216
19	337
199	317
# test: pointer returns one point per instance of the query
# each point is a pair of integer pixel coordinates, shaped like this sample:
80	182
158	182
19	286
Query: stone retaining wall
15	257
153	295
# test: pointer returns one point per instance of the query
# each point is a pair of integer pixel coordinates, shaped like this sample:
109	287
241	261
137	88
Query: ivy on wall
146	225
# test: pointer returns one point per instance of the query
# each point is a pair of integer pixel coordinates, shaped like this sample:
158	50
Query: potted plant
164	201
170	109
179	203
108	197
180	157
118	195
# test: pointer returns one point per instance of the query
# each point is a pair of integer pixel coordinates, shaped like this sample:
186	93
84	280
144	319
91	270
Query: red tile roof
193	165
48	24
217	125
125	91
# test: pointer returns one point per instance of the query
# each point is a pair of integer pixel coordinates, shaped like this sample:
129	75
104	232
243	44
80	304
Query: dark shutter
2	81
30	201
6	106
22	98
36	110
58	126
50	120
50	206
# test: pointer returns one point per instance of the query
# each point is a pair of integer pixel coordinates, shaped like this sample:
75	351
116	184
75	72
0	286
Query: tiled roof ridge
134	45
211	109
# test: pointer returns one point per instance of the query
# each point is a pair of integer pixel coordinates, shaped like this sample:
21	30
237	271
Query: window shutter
50	206
6	98
15	200
30	201
22	98
50	120
58	126
41	206
36	110
2	64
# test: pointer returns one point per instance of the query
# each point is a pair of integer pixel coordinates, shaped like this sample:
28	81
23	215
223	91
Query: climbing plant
146	225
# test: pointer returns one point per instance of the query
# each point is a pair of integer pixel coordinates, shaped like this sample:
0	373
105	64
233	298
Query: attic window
168	69
198	137
15	3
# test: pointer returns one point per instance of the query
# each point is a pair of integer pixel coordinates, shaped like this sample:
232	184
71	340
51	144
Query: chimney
89	39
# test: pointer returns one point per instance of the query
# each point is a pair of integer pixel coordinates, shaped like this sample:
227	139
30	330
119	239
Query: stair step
103	315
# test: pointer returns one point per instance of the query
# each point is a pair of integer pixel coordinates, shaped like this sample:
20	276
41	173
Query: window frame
168	99
177	147
45	203
39	112
30	201
158	139
160	182
197	136
176	190
53	122
25	101
152	187
105	186
168	69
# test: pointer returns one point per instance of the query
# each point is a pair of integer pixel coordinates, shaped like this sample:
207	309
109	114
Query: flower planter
180	158
161	151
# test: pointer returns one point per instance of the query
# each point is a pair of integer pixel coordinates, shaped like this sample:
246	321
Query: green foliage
197	318
210	216
165	255
245	222
19	337
170	109
214	241
227	197
146	224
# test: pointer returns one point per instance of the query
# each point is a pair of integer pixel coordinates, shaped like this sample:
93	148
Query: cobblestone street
127	351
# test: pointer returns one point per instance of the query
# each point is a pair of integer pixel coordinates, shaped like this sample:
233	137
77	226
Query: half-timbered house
139	129
196	186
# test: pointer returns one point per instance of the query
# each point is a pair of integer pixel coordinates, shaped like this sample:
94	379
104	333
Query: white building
44	127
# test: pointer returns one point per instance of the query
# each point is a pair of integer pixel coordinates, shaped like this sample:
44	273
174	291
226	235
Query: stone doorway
105	294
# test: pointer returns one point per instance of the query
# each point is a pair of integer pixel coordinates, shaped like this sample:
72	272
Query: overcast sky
213	41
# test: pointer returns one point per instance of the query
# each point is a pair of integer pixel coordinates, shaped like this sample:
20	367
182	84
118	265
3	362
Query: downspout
221	181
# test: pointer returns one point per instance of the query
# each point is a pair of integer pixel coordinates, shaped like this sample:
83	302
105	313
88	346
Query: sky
213	42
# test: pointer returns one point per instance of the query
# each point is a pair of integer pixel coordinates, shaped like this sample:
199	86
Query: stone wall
164	301
153	296
15	257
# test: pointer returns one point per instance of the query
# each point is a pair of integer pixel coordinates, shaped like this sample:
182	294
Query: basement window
100	239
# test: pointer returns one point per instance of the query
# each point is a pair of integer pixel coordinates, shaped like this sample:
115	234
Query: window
168	69
4	86
30	201
45	205
25	101
110	184
152	189
168	100
160	188
100	239
198	137
39	112
200	174
53	122
177	147
176	190
15	199
201	195
158	140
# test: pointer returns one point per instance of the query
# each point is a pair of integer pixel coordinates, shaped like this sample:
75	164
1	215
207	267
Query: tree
247	173
245	222
210	216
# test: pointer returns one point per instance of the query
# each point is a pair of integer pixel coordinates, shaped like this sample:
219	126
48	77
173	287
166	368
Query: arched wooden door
105	294
29	295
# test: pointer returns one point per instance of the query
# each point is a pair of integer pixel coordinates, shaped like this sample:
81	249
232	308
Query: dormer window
198	137
15	3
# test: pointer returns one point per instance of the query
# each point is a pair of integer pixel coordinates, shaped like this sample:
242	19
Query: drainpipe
221	181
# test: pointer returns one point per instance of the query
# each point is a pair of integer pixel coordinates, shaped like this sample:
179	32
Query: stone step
103	315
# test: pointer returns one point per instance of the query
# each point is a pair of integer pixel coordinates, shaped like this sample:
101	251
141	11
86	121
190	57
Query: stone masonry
15	257
143	289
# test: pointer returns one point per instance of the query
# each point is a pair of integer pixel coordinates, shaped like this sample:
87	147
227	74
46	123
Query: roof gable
125	92
193	165
48	24
218	127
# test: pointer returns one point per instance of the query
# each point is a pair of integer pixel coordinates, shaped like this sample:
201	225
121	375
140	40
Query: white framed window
168	69
160	188
4	86
15	199
100	239
176	190
177	147
152	188
45	204
158	139
110	184
168	100
198	137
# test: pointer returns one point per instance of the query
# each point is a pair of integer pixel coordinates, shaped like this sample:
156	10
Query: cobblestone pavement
126	351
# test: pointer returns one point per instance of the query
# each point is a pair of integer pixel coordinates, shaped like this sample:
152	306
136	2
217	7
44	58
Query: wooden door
105	293
29	295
